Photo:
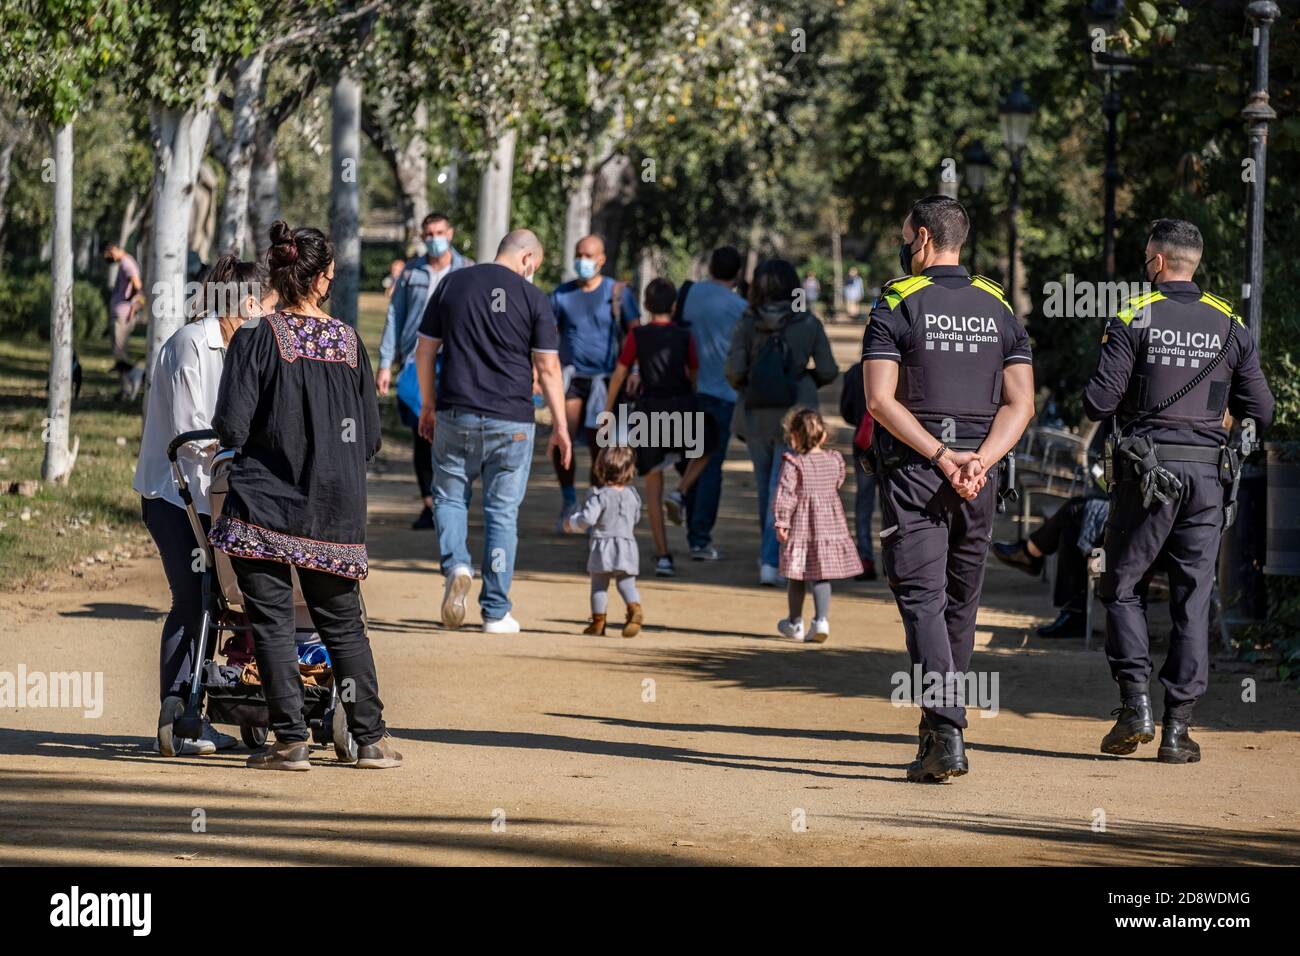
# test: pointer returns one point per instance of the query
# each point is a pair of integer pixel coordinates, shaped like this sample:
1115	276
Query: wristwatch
938	455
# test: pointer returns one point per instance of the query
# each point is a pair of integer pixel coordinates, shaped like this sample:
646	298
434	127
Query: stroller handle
184	438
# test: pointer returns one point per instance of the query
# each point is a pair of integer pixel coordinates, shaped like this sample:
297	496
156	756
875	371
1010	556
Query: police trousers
933	547
1186	532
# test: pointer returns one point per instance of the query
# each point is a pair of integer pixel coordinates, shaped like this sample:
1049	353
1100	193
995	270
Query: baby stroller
242	705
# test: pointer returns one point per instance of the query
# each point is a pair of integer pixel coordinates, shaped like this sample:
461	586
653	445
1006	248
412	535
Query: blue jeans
703	498
864	506
767	474
467	446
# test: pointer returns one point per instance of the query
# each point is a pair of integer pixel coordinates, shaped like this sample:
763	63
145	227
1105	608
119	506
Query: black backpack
772	382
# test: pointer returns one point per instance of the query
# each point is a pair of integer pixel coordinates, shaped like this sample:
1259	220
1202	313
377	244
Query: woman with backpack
768	367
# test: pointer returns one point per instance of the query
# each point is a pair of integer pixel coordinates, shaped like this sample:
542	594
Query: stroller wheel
345	748
254	737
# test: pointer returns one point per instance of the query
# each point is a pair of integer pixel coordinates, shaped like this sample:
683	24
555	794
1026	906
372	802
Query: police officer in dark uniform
1172	363
950	383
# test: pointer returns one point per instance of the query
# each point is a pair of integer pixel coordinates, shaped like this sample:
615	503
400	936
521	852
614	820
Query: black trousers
335	606
170	528
423	460
1186	534
1058	535
934	546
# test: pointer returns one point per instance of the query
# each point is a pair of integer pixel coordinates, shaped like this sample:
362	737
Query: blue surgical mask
586	268
436	245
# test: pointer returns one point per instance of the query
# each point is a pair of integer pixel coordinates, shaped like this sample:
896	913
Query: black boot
1017	555
1067	624
1176	744
922	735
1134	726
943	755
425	521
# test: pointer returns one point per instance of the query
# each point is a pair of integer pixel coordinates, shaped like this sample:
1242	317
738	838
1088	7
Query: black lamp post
977	163
1241	561
1103	16
1016	111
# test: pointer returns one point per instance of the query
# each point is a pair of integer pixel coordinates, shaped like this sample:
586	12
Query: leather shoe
1016	554
1067	624
1176	744
943	755
1134	725
281	756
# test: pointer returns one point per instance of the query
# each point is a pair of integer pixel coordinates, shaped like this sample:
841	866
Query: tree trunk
180	137
6	178
345	196
494	196
577	217
614	189
264	204
59	458
232	233
413	174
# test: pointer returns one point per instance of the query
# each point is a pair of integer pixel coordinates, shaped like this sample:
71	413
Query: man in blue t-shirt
497	333
711	310
592	313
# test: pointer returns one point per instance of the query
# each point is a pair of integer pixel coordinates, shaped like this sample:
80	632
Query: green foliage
26	314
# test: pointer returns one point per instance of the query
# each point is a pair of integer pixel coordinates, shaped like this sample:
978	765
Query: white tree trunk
6	177
58	456
345	197
180	137
494	196
577	217
232	234
413	173
264	204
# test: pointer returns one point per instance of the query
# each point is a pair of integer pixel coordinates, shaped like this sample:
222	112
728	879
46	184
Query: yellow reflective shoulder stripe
992	288
899	289
1223	305
1126	314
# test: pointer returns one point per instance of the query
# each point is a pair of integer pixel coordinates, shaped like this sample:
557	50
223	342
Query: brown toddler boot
633	625
597	625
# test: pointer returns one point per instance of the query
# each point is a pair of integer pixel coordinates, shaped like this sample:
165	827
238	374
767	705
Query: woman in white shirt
182	398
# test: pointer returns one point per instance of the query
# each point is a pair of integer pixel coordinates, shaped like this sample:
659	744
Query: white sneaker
821	630
770	577
675	506
504	625
454	595
217	738
187	748
792	629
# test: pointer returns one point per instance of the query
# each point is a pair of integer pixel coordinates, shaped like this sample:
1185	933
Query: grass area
97	516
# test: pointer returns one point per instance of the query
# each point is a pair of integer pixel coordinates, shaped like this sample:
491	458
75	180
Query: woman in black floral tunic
297	399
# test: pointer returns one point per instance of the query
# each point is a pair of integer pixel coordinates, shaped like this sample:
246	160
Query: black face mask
329	287
905	257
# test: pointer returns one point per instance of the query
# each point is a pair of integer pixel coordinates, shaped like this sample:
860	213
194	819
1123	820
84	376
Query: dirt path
552	732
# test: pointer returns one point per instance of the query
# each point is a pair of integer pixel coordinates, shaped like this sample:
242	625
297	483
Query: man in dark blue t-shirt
591	312
495	328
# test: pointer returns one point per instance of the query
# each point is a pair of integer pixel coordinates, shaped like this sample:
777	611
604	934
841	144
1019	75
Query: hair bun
284	247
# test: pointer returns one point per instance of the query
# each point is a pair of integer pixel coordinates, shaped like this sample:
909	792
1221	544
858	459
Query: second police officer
950	383
1172	363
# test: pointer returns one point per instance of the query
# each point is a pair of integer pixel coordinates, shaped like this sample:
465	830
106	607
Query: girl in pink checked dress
816	545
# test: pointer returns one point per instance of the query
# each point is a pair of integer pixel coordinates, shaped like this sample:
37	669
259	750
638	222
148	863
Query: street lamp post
1241	561
1103	16
977	163
1016	111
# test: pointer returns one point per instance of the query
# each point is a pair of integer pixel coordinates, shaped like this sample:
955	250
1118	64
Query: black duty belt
1207	454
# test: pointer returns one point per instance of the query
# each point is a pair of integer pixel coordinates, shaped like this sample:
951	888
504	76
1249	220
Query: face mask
905	257
1145	266
329	287
436	245
586	268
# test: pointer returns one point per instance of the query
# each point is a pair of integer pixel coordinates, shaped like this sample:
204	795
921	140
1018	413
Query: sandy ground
706	740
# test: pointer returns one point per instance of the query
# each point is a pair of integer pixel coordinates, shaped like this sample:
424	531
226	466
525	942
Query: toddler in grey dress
610	514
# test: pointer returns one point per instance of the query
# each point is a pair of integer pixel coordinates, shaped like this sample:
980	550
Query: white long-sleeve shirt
182	398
